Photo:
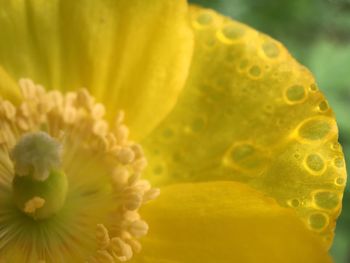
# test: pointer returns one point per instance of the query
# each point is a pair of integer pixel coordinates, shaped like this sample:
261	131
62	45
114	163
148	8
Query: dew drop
315	164
204	19
313	87
323	106
293	203
340	181
270	49
326	199
255	71
246	156
336	146
315	129
295	94
318	221
230	33
339	162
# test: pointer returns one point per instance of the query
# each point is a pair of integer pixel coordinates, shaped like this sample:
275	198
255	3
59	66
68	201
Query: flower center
70	182
39	185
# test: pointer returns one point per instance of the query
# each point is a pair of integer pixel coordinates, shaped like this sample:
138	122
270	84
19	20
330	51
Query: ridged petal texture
130	54
225	222
250	113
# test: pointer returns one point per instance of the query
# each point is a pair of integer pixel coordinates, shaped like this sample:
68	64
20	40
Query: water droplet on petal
326	199
313	87
246	157
230	33
315	164
270	49
339	162
318	221
204	19
336	146
293	203
340	181
255	72
295	94
317	128
323	106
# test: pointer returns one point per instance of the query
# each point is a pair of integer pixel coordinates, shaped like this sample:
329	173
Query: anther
39	183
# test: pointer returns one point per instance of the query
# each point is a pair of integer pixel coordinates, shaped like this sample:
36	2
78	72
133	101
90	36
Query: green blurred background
317	33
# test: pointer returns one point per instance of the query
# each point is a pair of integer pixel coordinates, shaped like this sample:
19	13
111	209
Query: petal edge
225	222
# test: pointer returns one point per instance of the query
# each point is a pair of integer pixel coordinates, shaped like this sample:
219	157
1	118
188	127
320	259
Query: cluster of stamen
77	121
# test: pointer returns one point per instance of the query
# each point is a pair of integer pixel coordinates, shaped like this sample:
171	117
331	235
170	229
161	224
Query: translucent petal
251	113
131	55
225	222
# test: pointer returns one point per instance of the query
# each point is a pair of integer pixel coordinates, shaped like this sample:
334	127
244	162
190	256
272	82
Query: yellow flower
238	138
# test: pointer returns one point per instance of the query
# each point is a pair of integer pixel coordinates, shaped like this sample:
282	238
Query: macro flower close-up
159	132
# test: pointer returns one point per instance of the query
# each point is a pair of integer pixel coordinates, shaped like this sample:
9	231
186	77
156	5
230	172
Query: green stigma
39	186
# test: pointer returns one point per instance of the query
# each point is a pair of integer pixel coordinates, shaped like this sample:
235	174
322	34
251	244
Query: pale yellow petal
130	54
250	113
225	222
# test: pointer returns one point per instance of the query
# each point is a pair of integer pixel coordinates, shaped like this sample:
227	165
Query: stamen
121	250
138	228
102	236
125	155
104	256
73	169
151	195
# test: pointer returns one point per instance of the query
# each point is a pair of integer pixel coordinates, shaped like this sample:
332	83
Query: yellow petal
250	113
225	222
131	55
8	87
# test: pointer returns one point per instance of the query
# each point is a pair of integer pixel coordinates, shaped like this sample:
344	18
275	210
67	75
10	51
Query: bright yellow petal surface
130	54
8	87
251	113
225	222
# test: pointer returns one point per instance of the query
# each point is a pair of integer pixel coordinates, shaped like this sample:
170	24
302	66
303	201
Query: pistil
39	186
